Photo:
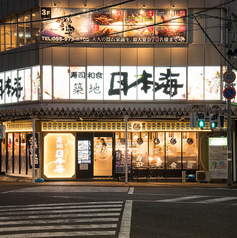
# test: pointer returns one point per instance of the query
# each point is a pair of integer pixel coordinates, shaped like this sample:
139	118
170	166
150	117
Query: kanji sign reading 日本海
114	25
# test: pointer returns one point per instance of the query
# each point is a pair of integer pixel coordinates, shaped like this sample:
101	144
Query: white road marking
72	189
59	207
61	234
62	204
62	216
180	199
126	220
131	190
214	200
59	211
57	227
63	221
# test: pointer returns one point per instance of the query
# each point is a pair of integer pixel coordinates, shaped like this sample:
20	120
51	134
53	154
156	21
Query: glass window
128	83
61	82
16	153
23	153
78	83
21	33
9	153
173	150
7	86
1	87
139	149
47	82
145	83
21	86
27	84
8	35
212	83
36	83
95	79
14	32
195	83
156	150
35	27
27	28
2	40
190	150
3	156
14	86
111	83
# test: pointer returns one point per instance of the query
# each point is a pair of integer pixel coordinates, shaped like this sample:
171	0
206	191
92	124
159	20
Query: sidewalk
26	180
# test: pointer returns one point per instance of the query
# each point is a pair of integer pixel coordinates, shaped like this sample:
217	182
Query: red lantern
182	13
118	13
150	13
95	27
182	28
151	28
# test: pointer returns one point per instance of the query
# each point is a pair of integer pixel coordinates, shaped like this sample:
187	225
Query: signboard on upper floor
114	25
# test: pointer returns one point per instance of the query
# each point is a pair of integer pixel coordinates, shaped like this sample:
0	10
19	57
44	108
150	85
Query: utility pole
229	133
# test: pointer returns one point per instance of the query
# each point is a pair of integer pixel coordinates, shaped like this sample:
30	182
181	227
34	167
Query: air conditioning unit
203	176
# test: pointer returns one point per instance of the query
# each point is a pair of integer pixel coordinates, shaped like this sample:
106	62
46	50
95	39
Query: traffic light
221	121
212	121
201	119
232	53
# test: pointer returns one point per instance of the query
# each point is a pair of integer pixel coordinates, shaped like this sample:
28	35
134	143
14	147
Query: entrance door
103	156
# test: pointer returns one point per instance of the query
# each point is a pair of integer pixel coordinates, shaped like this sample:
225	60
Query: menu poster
218	158
114	25
120	162
84	151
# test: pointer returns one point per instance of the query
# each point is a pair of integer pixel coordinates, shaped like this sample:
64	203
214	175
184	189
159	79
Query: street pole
33	156
126	149
229	130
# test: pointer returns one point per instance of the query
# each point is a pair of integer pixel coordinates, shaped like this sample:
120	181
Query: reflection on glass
21	32
47	82
84	151
8	34
36	83
156	150
14	32
103	156
61	82
212	83
9	154
3	157
35	27
195	83
139	150
2	41
190	150
173	151
23	153
27	28
16	153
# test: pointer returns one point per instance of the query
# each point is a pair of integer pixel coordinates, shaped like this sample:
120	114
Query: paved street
97	210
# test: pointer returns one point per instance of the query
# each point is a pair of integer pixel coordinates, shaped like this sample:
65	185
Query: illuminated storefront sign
114	25
59	155
112	83
30	143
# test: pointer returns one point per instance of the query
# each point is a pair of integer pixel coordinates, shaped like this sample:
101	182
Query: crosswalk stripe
57	227
214	200
61	216
61	207
61	234
63	221
65	211
62	204
181	198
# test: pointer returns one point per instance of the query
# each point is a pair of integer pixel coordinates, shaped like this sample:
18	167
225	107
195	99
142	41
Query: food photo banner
114	25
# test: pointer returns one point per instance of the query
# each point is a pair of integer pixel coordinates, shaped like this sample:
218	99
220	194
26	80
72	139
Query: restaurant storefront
76	150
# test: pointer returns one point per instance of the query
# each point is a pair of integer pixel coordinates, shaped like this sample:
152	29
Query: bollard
183	176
